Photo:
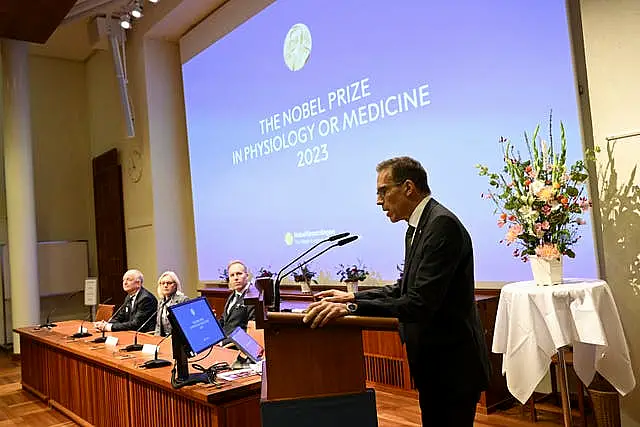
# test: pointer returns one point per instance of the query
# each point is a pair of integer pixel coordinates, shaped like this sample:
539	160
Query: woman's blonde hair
174	278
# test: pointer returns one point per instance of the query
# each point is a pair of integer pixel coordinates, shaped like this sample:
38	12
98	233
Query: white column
18	163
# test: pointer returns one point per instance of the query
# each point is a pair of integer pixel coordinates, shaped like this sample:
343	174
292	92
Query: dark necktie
407	242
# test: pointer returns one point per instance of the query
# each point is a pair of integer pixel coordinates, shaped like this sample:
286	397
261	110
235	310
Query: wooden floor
400	409
395	409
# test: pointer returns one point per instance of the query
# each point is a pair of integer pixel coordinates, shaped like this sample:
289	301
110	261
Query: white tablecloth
534	321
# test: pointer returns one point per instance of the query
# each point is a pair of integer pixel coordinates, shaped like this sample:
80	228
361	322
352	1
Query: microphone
155	362
340	243
279	276
81	333
103	338
337	237
47	323
135	346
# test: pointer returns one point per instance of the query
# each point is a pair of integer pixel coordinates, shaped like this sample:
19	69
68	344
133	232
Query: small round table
534	322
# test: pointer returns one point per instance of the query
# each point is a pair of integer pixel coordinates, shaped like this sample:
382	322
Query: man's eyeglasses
383	189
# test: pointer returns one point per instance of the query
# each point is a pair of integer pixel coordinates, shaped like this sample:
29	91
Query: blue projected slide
289	114
198	324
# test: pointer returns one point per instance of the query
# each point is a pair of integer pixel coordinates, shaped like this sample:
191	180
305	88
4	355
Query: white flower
528	214
536	186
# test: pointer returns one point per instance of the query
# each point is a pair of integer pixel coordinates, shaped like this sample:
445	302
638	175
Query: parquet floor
400	409
19	408
395	408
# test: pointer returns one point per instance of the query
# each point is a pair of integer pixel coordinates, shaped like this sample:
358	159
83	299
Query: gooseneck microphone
103	337
280	276
135	346
340	243
155	362
81	331
47	323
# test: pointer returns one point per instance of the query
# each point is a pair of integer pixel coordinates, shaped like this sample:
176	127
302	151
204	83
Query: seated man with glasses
169	293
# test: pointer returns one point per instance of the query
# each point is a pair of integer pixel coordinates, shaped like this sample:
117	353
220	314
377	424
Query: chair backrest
104	312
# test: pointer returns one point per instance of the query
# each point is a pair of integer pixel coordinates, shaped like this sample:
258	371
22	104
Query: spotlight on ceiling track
125	22
153	1
137	12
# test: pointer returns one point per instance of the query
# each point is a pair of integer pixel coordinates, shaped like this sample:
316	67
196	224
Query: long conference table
103	386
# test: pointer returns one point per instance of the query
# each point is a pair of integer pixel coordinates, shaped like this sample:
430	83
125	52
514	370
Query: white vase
546	271
352	286
305	287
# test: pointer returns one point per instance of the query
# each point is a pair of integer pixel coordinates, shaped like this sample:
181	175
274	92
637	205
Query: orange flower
556	185
545	194
503	216
548	251
527	182
564	200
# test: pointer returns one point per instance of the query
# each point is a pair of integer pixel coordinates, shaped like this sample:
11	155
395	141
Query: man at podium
434	301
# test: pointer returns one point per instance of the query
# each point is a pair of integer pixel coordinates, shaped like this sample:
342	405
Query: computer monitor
195	322
194	330
247	344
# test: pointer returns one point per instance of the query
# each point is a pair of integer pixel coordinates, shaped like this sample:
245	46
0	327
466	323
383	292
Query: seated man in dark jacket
138	307
236	313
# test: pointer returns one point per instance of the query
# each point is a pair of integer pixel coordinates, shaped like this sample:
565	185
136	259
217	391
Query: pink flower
580	221
545	225
513	233
501	223
546	209
537	229
584	204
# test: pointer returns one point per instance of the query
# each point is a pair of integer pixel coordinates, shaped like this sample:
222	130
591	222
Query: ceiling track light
125	22
136	11
153	1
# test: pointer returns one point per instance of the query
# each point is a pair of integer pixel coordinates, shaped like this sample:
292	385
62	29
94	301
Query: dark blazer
435	304
130	320
239	315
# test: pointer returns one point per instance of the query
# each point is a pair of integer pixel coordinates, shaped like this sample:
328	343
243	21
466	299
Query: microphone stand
155	362
47	323
135	346
340	243
81	332
279	276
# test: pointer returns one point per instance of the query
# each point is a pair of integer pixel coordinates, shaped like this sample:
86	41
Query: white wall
611	33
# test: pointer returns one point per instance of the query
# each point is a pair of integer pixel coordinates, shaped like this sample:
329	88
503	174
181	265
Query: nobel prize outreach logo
297	47
288	239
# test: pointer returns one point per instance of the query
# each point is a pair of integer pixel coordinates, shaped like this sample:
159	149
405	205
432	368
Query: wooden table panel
96	385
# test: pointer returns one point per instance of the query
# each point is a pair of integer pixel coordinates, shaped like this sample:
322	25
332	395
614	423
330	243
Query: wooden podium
315	377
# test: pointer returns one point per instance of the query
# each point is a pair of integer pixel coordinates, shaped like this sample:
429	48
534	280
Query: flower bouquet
540	201
304	276
352	274
265	272
223	274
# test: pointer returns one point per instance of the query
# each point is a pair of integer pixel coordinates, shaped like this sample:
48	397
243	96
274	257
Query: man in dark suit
236	313
138	307
434	300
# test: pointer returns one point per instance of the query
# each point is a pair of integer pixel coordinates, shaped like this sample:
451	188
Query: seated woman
169	293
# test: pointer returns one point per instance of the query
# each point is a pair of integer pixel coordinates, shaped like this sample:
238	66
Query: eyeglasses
383	189
167	283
